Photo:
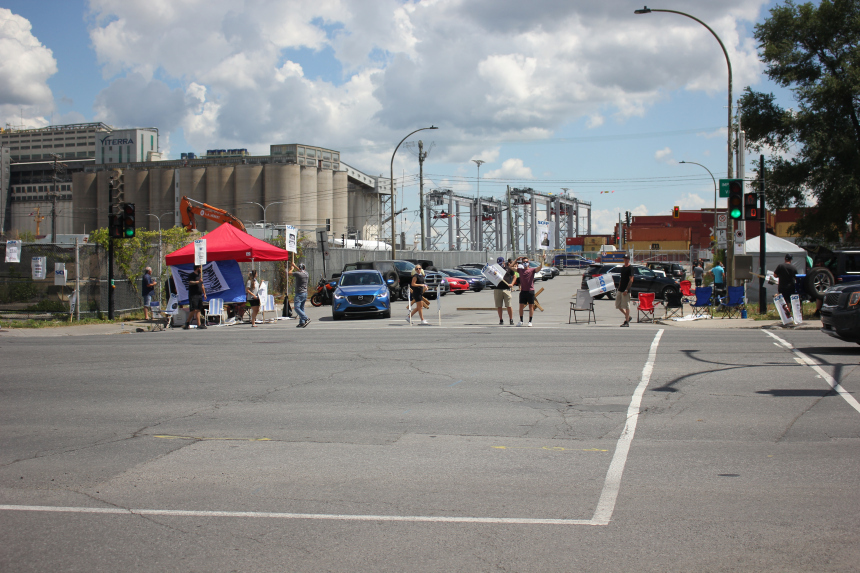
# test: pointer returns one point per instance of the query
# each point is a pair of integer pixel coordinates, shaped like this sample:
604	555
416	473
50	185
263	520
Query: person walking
301	292
786	273
502	294
417	287
527	287
719	274
196	294
698	273
252	296
622	297
147	288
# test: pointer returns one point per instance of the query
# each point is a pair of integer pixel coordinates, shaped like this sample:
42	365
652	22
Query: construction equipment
189	208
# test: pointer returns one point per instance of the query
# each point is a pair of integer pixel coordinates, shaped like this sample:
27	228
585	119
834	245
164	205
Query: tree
814	51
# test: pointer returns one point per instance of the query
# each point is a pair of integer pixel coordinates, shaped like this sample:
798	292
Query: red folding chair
646	307
685	290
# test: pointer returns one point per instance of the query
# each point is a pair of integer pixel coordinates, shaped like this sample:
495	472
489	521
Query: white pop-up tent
775	249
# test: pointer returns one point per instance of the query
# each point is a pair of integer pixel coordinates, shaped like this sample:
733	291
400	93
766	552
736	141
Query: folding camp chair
685	291
583	303
645	308
702	305
674	305
267	309
216	309
159	319
733	304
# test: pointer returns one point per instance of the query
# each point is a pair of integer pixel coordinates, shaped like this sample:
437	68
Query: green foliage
17	287
815	51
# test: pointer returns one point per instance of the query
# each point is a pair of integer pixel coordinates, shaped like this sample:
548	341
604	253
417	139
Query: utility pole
762	242
58	168
511	225
421	156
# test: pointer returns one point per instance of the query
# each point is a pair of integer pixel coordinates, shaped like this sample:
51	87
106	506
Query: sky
551	94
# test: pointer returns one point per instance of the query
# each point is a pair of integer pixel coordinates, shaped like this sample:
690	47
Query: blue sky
551	94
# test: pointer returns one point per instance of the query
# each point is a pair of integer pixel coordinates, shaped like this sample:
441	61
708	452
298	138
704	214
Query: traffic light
751	210
736	199
676	212
128	226
115	226
117	186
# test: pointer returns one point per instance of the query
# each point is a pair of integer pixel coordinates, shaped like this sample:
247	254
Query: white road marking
808	361
612	484
602	515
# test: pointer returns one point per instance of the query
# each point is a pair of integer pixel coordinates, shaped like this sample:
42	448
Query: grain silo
219	189
192	185
281	191
84	196
248	181
308	198
325	199
162	198
340	204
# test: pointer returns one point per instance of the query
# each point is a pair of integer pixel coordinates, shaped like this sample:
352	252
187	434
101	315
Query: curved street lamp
158	218
391	182
264	210
647	10
715	196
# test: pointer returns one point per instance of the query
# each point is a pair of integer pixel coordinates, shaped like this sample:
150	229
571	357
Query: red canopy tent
227	243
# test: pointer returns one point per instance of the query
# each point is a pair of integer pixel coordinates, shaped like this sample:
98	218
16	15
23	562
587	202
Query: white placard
291	235
601	284
740	248
545	237
263	291
59	274
796	309
13	251
740	235
199	251
722	220
72	300
722	238
493	273
38	265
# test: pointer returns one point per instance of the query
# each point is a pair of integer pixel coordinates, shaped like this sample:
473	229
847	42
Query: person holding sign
502	294
196	294
251	295
527	286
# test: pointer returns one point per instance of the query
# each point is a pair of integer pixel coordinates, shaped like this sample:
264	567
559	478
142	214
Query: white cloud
603	221
25	66
692	201
664	156
511	169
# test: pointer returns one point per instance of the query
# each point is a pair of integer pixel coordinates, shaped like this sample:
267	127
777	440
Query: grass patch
60	321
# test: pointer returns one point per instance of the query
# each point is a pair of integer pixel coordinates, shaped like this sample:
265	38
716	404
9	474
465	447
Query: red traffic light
676	212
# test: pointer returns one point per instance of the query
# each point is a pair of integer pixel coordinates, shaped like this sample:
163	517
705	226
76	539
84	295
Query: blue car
361	293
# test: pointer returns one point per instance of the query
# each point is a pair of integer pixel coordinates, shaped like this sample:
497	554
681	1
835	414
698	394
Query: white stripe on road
612	485
275	515
804	359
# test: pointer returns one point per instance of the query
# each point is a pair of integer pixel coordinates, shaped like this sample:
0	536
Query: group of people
520	273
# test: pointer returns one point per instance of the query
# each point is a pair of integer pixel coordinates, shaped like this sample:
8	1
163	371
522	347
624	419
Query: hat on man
626	257
788	257
500	260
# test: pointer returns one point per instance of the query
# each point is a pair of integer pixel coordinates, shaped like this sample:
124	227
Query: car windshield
360	279
646	272
404	267
453	273
473	272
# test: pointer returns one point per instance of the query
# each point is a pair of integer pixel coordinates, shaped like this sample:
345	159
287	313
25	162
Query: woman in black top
418	285
251	296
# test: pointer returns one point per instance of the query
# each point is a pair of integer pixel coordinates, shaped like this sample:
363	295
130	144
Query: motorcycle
324	293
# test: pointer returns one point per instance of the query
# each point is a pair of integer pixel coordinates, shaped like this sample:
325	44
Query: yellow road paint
164	437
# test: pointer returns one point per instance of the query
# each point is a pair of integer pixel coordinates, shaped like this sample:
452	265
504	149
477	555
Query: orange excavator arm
190	208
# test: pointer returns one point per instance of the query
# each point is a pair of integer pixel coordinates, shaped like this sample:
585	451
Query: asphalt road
377	446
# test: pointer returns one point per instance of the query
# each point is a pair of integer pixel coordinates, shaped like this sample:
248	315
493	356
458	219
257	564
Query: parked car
644	280
399	270
435	278
672	270
457	285
361	293
555	272
475	283
833	269
840	313
571	261
543	273
426	264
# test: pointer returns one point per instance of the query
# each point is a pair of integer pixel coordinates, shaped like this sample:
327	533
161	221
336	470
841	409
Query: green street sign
724	186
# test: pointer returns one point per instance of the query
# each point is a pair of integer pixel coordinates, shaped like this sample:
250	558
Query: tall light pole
264	210
478	221
157	218
391	182
715	197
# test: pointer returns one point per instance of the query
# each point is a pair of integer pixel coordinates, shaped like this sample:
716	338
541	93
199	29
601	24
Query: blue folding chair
702	305
733	304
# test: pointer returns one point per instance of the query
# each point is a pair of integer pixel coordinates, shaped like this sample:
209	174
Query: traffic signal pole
110	280
762	243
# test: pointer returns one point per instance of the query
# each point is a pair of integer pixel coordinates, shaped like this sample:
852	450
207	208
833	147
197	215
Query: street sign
722	220
740	236
722	239
724	187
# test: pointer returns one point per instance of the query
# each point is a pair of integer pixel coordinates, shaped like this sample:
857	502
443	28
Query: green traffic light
735	214
130	232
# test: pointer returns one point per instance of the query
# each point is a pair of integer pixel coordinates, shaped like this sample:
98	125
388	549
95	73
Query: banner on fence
13	251
59	274
222	279
38	265
200	251
601	284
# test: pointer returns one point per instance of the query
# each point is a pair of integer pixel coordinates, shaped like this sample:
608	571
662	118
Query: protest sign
600	285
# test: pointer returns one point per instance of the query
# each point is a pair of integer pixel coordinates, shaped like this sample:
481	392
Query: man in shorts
502	294
196	294
147	288
527	287
698	273
622	297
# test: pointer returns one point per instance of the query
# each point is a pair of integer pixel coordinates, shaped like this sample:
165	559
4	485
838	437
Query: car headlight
855	299
338	296
382	294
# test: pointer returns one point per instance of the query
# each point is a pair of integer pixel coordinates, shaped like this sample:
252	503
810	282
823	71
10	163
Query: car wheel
668	291
459	292
817	281
337	316
386	314
599	296
611	295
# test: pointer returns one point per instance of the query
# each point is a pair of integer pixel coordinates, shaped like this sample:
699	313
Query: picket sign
796	309
782	309
601	284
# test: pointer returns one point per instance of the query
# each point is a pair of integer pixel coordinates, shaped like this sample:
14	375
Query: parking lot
374	445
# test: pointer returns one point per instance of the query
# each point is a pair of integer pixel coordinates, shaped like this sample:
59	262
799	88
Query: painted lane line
455	383
612	484
276	515
808	361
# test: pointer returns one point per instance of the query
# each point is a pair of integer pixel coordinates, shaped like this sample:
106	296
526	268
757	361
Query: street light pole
157	218
391	182
715	197
478	221
264	211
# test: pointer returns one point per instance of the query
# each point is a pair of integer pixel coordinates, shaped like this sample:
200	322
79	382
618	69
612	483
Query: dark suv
673	270
401	273
840	313
595	270
836	268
